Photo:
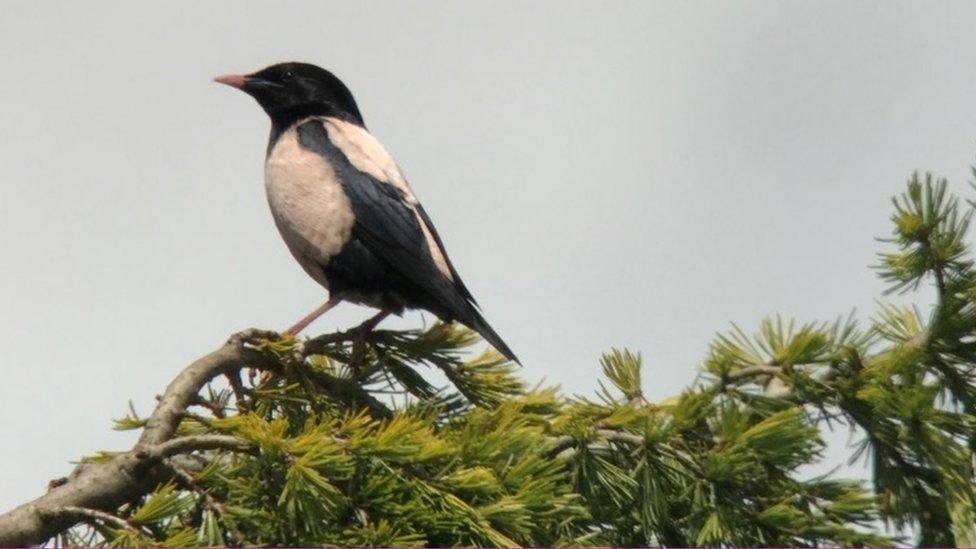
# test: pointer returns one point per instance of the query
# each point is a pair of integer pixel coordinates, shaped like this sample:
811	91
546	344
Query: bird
344	208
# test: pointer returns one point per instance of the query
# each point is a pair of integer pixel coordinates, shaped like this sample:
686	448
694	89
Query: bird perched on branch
344	208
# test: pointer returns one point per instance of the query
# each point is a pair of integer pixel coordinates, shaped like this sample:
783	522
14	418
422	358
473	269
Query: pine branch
316	451
194	443
187	479
107	485
92	516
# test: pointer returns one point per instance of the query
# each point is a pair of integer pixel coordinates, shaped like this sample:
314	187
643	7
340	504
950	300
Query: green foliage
354	445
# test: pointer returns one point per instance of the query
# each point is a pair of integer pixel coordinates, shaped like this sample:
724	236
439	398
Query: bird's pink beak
232	80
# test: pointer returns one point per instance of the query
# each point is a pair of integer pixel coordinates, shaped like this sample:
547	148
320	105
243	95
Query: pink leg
301	324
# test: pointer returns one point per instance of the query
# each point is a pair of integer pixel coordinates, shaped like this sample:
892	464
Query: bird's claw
250	334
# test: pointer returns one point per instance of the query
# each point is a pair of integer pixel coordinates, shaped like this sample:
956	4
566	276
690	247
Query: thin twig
753	371
192	443
216	409
209	502
240	393
563	443
202	420
91	515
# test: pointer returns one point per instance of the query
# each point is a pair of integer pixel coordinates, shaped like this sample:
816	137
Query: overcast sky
604	174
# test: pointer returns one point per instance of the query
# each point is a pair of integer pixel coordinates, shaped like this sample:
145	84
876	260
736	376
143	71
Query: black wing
389	227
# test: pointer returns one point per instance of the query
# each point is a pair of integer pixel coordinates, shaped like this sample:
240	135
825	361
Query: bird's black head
291	91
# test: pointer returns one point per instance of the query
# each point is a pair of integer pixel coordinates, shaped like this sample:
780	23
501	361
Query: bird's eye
287	76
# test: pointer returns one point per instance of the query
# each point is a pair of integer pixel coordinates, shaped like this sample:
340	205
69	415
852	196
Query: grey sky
604	174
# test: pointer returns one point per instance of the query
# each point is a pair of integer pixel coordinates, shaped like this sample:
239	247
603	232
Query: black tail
476	322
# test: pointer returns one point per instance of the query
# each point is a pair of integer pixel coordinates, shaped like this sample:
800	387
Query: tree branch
565	442
183	445
181	391
187	479
107	485
752	371
90	515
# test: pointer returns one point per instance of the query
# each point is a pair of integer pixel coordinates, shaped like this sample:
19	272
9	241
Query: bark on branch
93	516
104	486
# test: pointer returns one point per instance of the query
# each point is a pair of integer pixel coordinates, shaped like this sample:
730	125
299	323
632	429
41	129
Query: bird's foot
250	334
370	324
361	333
